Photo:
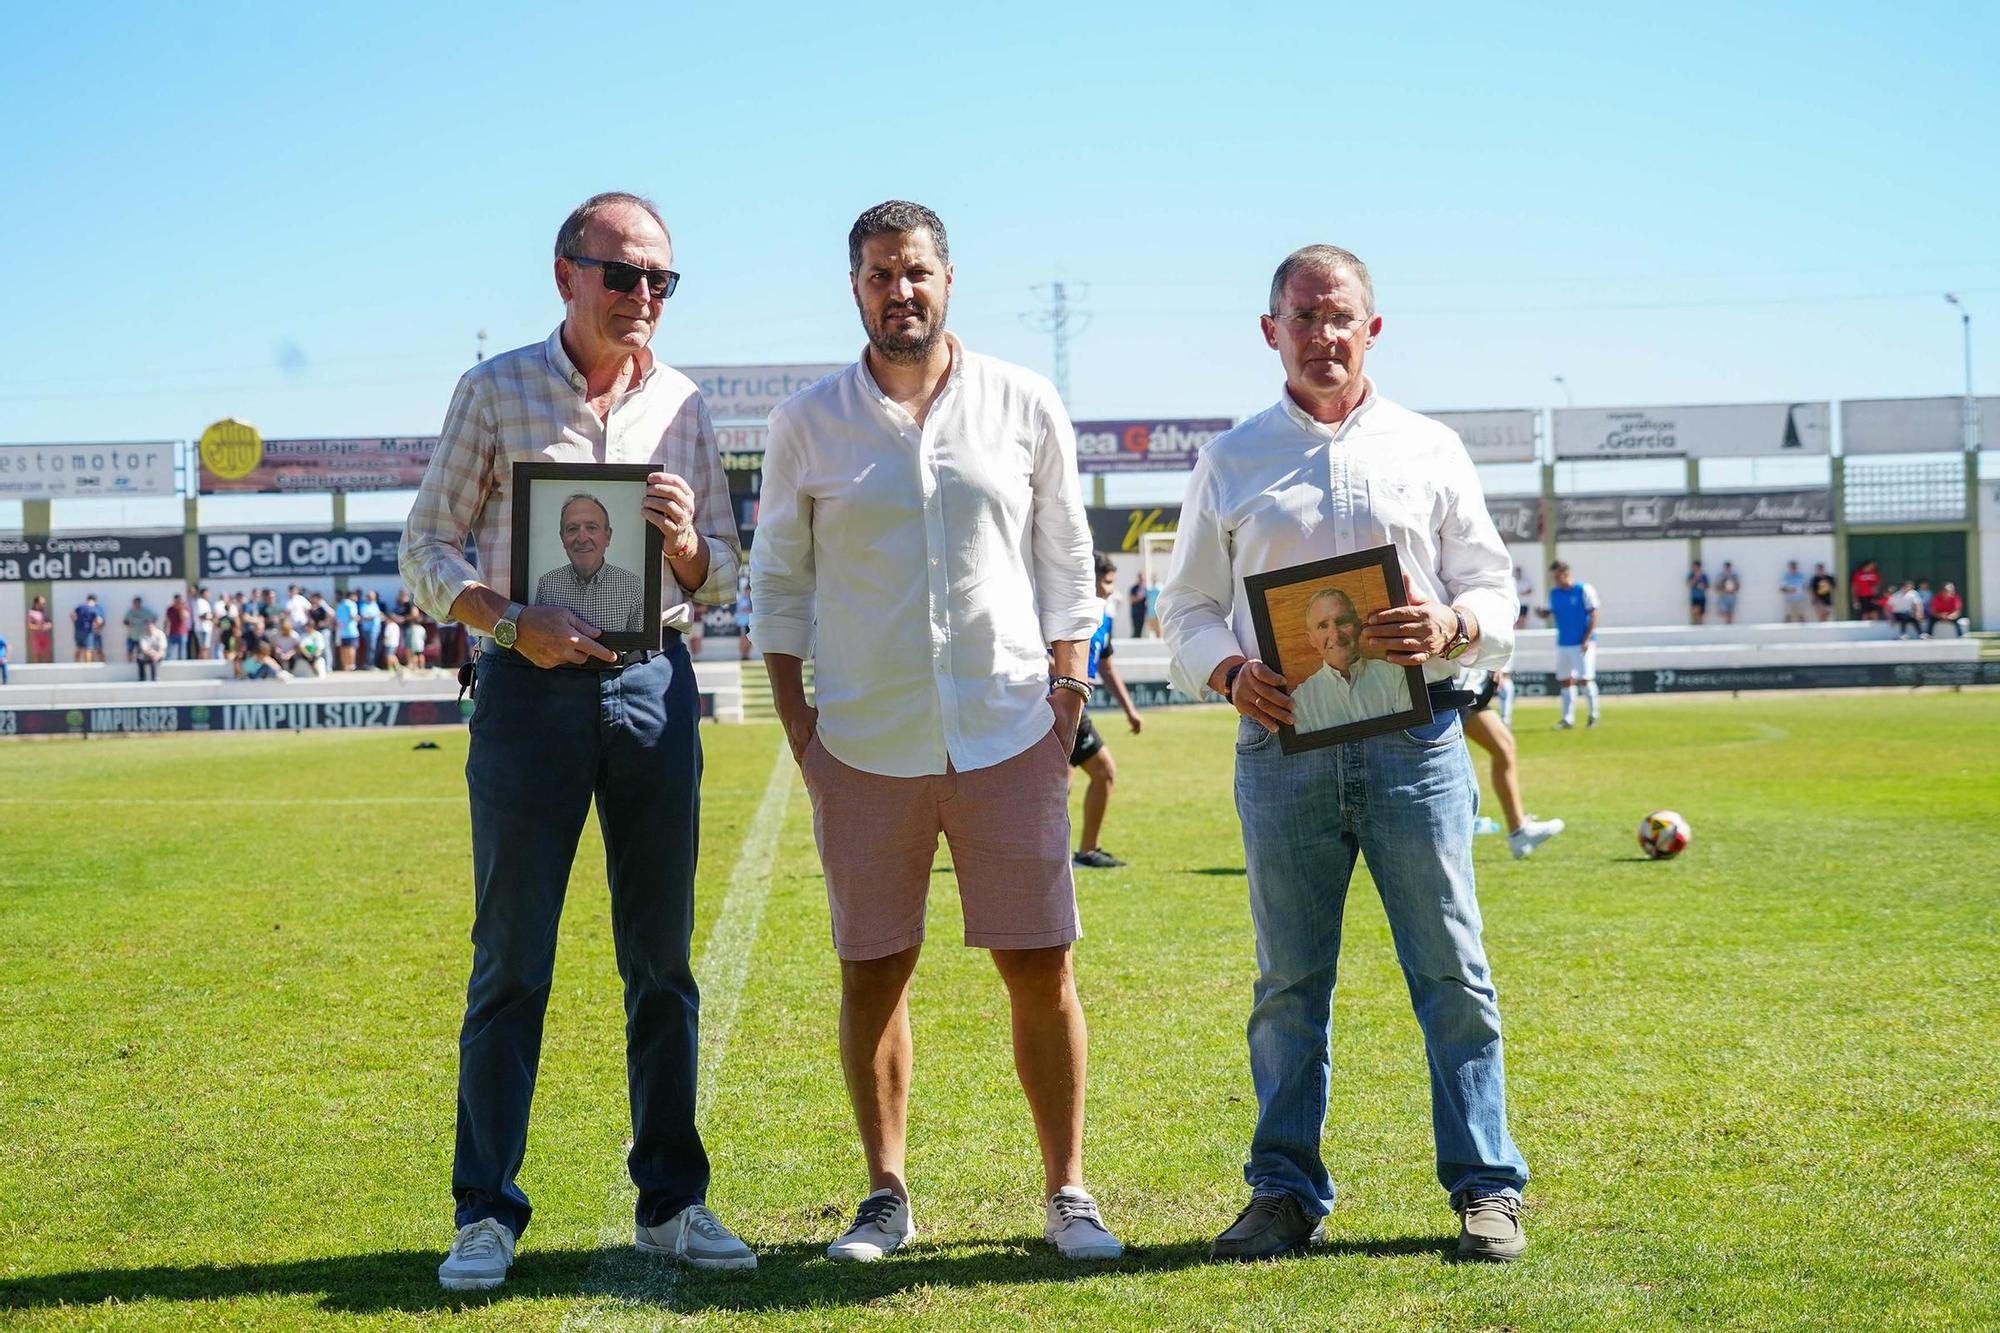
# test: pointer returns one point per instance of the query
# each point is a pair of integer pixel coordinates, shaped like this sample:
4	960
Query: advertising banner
1144	446
1830	676
1118	529
66	559
86	471
1494	437
249	465
1519	517
1734	430
1913	425
1721	514
292	555
741	447
748	393
277	715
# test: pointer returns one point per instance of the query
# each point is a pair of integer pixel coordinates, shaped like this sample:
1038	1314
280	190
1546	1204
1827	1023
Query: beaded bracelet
1070	683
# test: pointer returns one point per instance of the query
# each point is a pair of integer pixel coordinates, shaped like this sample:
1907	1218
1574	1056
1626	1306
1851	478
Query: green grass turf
1756	1085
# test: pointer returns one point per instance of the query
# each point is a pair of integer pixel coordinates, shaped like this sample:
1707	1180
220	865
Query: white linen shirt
1282	489
924	570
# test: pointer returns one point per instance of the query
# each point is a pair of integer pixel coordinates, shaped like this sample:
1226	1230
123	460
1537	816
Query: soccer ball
1664	835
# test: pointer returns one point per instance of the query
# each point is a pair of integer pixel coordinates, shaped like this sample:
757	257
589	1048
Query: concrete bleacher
1682	647
740	690
107	684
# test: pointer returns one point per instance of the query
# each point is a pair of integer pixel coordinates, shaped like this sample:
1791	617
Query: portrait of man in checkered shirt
609	596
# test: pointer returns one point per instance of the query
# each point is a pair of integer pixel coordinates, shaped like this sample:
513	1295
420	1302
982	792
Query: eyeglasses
1308	321
622	277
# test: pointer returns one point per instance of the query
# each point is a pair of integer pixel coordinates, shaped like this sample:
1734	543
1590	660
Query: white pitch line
641	1288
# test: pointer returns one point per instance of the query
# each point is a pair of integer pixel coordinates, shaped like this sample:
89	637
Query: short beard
905	350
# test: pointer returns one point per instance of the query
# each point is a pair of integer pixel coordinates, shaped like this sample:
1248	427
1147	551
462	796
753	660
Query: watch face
503	633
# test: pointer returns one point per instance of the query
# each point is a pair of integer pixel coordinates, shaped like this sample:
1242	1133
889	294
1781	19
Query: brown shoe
1489	1227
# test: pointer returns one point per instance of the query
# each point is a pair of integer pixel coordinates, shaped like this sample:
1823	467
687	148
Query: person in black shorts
1090	752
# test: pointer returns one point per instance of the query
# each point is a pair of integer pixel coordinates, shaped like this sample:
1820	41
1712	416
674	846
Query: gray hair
570	235
1322	259
895	217
583	495
1323	594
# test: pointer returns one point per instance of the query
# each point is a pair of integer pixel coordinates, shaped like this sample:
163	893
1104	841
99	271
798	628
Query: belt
669	640
1444	695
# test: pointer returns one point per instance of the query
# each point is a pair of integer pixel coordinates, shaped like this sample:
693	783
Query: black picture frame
620	488
1370	580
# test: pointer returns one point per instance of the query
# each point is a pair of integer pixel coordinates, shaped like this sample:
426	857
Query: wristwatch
505	630
1460	640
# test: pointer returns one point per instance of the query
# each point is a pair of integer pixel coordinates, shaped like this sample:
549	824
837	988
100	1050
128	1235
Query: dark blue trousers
544	743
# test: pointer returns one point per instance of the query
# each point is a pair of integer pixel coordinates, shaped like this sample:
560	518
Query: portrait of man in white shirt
1349	687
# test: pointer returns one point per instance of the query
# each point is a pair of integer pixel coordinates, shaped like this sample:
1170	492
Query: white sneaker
481	1254
694	1236
1531	835
1076	1230
1565	725
882	1225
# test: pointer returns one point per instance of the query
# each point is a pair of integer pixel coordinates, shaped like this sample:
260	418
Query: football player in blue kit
1091	754
1573	606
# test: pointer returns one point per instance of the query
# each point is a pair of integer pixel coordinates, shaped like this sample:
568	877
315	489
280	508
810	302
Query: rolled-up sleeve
455	485
782	578
715	516
1200	588
1064	564
1475	569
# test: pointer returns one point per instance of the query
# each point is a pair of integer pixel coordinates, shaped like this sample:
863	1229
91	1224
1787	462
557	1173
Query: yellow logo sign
231	449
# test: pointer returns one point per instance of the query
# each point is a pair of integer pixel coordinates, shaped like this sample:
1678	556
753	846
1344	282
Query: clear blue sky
301	215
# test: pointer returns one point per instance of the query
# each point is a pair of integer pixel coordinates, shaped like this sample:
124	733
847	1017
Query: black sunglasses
623	277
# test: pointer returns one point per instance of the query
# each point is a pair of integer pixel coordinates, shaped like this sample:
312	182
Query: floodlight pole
1969	410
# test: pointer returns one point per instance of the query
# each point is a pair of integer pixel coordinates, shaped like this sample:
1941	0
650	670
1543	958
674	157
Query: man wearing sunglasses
560	719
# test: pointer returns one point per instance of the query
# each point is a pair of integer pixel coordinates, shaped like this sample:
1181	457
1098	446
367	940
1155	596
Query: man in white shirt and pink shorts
922	538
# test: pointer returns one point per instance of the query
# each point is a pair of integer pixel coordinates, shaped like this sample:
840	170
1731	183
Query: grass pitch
1756	1086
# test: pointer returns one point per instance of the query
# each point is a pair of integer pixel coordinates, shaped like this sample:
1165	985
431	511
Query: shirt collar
1320	429
565	369
952	376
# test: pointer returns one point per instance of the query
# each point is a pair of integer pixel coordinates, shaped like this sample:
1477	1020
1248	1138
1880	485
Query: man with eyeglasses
559	719
1331	469
922	538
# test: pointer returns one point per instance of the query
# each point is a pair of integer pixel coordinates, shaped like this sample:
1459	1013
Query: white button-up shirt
1282	489
925	570
531	405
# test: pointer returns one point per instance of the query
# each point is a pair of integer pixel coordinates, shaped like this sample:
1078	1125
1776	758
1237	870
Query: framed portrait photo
581	541
1308	620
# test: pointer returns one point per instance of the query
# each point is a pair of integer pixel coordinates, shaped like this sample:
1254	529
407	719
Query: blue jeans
544	743
1405	802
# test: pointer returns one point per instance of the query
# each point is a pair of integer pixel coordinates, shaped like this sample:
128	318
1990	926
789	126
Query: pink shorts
1008	830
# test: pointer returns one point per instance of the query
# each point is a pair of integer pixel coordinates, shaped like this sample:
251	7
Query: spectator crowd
261	634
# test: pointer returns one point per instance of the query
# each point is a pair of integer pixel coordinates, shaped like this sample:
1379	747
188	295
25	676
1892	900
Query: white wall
1638	583
1529	558
1760	564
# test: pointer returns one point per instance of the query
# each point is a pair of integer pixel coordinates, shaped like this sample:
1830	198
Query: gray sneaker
1489	1227
882	1225
694	1236
1075	1228
481	1254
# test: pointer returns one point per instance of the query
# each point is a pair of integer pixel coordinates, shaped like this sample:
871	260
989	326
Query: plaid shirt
529	404
611	599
